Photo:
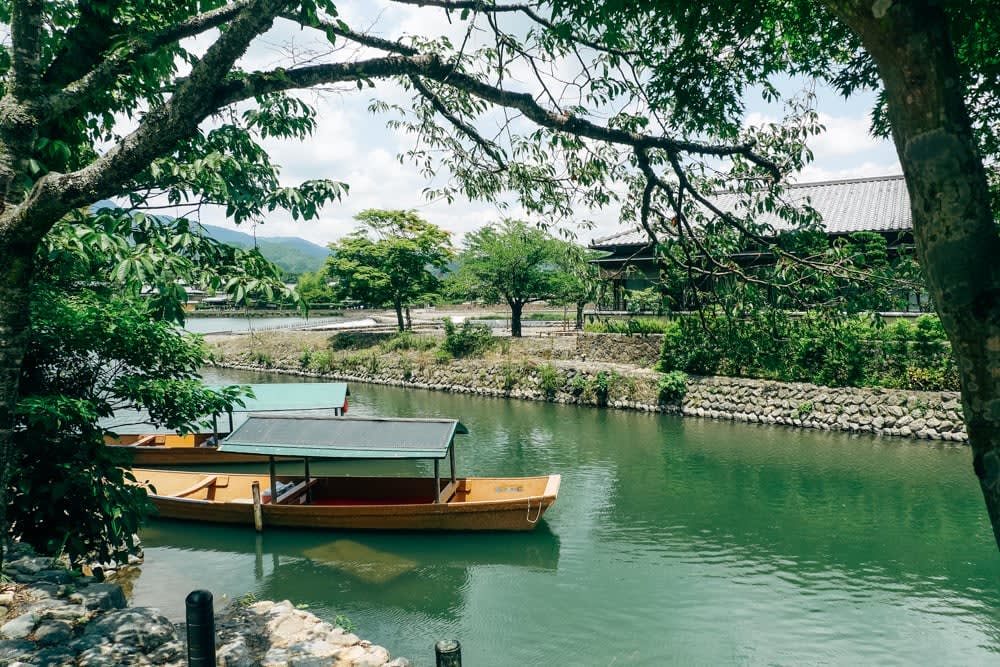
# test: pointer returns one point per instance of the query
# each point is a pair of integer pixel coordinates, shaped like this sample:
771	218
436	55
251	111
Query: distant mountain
292	254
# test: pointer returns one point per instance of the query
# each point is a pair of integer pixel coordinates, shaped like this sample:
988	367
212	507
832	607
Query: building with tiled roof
879	205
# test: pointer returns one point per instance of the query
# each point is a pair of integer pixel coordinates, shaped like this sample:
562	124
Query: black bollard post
200	629
448	653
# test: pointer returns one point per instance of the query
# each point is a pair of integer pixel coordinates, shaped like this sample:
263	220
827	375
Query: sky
352	145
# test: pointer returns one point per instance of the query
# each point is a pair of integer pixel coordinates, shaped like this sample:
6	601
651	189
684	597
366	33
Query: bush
321	361
828	350
467	340
407	340
510	373
355	340
550	380
672	386
601	386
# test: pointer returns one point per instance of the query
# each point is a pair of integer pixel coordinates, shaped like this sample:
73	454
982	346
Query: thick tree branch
434	68
26	33
77	93
55	194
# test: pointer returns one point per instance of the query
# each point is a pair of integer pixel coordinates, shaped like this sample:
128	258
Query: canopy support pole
451	452
437	481
309	493
274	480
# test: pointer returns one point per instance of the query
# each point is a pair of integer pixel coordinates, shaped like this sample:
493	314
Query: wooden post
258	513
274	480
448	653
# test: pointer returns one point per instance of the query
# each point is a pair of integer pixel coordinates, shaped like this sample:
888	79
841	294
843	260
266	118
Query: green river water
674	541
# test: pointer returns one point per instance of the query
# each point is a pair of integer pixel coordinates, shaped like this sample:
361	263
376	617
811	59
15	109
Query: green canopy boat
368	503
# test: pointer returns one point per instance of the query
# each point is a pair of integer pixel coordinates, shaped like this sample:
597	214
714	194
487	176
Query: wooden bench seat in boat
210	483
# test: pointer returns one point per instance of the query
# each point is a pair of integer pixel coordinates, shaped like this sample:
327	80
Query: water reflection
356	568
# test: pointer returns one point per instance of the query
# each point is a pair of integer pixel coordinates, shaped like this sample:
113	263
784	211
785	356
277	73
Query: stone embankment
50	616
605	370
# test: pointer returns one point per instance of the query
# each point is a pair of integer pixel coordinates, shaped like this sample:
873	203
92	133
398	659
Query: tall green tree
513	262
107	295
393	258
580	281
314	287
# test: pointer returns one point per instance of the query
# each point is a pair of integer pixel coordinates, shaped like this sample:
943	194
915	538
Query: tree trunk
954	228
579	314
399	315
515	318
409	319
16	267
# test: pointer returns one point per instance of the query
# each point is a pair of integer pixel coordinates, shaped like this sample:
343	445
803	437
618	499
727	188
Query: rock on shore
49	616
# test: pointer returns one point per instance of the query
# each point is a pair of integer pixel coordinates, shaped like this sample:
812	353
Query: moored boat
368	503
149	446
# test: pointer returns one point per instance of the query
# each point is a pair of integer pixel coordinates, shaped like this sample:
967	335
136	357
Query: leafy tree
393	258
512	262
314	288
581	281
98	346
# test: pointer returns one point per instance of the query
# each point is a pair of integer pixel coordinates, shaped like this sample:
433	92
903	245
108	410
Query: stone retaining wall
638	350
913	414
931	415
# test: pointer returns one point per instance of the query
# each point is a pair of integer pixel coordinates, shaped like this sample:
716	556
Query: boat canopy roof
343	437
273	397
278	397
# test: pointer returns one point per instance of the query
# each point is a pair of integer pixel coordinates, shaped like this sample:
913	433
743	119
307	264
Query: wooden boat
367	503
149	446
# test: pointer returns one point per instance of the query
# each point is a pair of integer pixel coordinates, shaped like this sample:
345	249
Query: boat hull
165	455
175	450
494	503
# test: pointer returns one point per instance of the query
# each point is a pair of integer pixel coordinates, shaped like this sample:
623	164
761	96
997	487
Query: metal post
258	513
274	481
200	629
448	653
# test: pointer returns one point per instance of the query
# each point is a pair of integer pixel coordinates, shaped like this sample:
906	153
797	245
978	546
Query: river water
674	541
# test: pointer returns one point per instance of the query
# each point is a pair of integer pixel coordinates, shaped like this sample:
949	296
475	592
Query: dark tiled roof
858	205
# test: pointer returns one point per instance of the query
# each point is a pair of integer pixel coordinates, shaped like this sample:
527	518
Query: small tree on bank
393	258
512	262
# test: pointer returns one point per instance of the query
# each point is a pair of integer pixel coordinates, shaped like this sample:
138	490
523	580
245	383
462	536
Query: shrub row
857	351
